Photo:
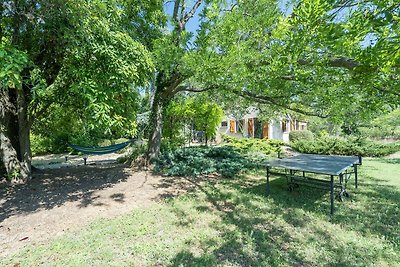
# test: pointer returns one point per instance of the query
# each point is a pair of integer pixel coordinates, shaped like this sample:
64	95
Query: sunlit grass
230	222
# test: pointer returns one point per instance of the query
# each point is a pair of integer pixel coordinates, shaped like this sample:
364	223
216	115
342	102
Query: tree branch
176	8
188	88
230	9
269	100
191	13
246	94
337	62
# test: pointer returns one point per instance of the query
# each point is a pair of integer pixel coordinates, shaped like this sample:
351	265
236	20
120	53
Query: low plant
300	135
135	151
226	161
345	146
41	145
251	145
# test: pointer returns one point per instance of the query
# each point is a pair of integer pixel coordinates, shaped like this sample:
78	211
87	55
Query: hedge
344	146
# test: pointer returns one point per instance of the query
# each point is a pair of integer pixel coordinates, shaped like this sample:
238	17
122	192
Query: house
250	126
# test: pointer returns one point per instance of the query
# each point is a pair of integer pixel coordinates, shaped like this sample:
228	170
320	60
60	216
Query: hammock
100	150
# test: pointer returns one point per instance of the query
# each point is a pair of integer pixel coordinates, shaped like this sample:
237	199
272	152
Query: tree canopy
329	58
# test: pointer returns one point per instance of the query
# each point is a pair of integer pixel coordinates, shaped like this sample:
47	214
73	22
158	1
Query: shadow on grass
187	258
390	161
260	231
305	197
53	187
270	243
376	211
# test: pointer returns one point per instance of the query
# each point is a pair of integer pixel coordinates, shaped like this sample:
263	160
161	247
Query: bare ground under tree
67	199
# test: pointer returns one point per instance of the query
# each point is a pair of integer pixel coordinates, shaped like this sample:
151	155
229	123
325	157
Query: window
224	124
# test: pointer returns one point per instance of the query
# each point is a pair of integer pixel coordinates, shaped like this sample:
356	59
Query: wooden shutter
232	126
265	133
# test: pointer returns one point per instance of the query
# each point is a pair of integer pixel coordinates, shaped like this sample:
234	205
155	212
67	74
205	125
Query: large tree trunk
156	125
14	136
24	131
18	172
165	91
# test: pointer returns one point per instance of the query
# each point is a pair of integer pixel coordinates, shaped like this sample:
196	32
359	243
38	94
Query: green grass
230	222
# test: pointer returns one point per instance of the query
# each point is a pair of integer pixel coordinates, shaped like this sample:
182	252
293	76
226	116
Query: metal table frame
345	172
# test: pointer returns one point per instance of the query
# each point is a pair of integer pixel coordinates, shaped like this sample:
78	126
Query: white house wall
274	129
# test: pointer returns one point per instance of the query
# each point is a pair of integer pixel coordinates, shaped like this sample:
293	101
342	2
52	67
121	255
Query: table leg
267	191
332	195
355	176
291	176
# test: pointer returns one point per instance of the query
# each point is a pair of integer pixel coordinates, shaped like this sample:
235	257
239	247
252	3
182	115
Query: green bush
194	161
344	146
300	135
379	132
249	145
135	151
41	145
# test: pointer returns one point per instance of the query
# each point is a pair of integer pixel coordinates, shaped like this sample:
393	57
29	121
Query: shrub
250	145
300	135
41	145
345	146
194	161
135	151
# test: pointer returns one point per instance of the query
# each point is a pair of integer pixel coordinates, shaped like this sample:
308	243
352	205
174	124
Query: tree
187	113
318	60
58	52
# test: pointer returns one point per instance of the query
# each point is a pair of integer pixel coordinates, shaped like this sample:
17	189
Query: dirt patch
64	199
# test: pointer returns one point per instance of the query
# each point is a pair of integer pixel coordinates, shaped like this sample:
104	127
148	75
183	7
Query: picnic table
297	169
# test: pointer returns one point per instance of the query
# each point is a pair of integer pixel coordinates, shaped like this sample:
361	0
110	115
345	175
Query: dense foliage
344	146
63	60
90	57
251	145
319	59
193	161
184	116
300	135
383	127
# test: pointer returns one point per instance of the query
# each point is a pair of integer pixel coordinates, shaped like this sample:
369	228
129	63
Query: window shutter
232	126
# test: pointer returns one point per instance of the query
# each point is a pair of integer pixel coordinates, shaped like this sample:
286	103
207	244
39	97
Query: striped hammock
100	150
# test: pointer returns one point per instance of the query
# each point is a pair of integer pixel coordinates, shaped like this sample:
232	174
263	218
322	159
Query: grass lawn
230	222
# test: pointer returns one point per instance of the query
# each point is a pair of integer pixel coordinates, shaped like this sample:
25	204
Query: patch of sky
193	24
286	6
370	40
